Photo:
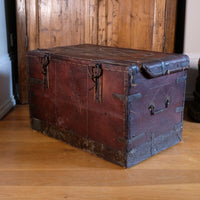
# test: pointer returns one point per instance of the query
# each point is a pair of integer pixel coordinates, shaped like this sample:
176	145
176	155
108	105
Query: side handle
154	112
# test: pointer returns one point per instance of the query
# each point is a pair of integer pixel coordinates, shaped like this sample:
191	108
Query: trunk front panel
69	103
106	120
71	97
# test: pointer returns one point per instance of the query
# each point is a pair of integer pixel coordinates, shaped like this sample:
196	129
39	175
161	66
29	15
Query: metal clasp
95	72
44	63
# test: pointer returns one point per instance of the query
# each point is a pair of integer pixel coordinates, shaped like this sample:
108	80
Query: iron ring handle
44	60
97	72
44	63
154	112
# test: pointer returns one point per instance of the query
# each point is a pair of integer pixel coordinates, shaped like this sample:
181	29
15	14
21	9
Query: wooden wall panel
102	22
22	48
113	22
139	24
170	25
158	25
46	31
32	24
67	22
91	21
139	27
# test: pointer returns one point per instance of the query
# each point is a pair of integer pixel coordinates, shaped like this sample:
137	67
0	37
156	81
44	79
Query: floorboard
34	166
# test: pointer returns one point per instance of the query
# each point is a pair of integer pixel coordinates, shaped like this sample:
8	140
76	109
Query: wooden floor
34	166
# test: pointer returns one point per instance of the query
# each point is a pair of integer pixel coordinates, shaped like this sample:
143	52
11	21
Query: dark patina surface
123	105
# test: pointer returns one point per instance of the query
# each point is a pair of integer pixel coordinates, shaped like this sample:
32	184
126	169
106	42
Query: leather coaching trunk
122	105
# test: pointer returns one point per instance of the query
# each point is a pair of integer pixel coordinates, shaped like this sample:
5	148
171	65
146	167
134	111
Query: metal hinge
178	127
95	73
179	109
128	98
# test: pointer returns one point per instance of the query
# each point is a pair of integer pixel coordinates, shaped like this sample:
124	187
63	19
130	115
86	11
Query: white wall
192	42
6	95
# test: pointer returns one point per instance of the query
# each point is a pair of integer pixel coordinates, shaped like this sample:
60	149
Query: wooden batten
22	43
170	25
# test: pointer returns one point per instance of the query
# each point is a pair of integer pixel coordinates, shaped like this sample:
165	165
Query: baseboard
4	59
5	107
7	100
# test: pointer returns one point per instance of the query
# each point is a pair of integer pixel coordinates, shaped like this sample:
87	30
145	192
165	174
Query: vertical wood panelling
141	23
66	25
136	24
170	24
102	22
82	22
158	25
45	12
113	22
87	21
32	24
91	21
56	22
67	22
21	48
125	33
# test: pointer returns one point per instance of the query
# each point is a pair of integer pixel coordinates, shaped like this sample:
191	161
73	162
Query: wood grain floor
34	166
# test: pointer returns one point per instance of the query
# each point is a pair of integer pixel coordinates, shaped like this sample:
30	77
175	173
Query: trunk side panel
149	134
